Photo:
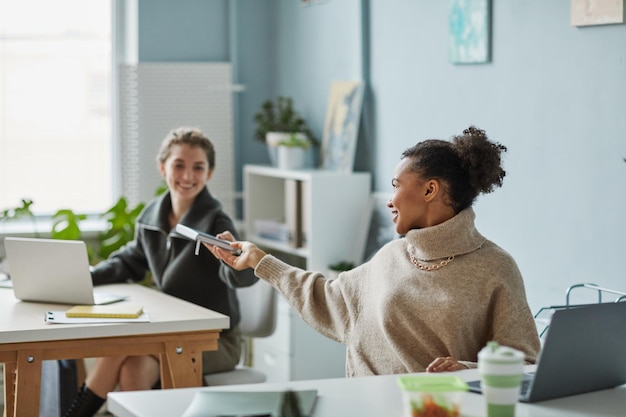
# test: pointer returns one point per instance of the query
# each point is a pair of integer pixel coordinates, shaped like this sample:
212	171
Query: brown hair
187	136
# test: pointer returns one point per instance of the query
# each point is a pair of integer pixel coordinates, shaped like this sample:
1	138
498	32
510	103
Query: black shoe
86	404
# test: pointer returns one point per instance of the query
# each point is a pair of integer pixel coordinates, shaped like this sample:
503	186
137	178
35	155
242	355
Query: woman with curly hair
432	299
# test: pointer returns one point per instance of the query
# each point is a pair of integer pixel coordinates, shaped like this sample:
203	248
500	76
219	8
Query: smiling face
186	170
408	205
417	202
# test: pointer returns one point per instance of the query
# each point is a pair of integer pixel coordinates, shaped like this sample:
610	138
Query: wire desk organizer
621	296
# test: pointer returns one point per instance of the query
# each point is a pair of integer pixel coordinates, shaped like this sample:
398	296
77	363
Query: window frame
124	18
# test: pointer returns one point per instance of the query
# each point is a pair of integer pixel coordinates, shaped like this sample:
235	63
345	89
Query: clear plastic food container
432	395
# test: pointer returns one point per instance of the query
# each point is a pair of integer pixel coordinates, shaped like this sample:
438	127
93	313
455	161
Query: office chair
257	304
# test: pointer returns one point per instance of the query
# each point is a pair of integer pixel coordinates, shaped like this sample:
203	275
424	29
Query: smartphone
199	236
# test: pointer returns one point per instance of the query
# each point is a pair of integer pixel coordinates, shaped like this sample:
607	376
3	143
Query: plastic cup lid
432	383
495	352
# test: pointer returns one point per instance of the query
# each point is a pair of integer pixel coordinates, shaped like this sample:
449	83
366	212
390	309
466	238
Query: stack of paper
111	313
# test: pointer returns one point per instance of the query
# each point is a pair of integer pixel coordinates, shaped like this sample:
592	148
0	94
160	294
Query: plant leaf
65	225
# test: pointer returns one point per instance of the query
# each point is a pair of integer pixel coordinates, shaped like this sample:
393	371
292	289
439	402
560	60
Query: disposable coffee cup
501	370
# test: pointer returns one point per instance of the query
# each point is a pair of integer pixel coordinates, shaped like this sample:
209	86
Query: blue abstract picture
469	31
341	126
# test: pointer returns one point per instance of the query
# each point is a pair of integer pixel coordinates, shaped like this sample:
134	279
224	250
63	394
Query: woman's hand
224	236
445	364
250	255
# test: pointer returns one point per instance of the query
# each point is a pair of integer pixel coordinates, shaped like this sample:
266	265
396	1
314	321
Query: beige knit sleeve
326	305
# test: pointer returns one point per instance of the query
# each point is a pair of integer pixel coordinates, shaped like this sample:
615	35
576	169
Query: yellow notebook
121	311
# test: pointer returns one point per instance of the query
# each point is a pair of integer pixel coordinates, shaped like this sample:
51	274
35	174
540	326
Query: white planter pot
290	157
285	157
274	138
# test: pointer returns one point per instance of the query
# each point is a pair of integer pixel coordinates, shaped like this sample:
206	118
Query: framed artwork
597	12
470	31
341	126
310	2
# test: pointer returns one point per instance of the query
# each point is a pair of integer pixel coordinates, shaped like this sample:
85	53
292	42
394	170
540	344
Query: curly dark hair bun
470	164
481	158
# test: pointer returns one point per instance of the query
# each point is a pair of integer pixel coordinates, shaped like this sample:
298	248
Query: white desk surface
178	331
374	396
24	321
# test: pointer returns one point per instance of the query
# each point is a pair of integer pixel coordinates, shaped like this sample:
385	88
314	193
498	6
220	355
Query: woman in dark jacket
187	161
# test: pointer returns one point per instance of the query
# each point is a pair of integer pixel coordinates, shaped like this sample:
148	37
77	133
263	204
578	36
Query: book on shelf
271	229
113	311
305	212
293	211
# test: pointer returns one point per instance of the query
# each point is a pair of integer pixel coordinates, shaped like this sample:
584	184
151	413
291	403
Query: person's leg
139	373
226	357
105	374
101	380
144	372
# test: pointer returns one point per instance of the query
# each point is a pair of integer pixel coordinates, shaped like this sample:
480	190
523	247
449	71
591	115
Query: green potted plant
19	212
279	125
335	269
66	225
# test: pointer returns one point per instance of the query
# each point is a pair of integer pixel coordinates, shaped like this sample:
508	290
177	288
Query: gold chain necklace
431	267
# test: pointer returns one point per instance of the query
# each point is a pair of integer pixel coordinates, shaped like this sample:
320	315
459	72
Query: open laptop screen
584	351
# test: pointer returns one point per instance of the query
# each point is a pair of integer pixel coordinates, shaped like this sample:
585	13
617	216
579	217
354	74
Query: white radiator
157	97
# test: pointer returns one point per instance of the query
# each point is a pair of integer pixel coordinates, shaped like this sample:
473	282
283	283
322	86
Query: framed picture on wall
341	126
597	12
470	31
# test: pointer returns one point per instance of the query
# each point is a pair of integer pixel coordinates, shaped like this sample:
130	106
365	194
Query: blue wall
554	94
186	30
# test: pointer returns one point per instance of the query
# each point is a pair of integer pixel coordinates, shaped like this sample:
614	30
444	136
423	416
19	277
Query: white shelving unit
335	212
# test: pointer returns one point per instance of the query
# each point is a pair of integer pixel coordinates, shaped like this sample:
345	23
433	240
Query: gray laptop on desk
584	351
53	271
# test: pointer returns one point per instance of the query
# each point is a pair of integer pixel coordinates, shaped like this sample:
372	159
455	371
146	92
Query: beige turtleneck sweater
396	318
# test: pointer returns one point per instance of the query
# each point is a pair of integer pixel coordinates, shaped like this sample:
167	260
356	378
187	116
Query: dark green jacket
170	258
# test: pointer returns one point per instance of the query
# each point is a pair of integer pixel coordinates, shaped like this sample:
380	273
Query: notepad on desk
59	317
112	311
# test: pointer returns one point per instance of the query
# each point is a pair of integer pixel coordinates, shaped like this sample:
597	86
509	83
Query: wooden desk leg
181	366
9	389
166	372
28	383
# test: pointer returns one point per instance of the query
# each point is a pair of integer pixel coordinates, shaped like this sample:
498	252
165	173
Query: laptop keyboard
526	383
474	386
106	298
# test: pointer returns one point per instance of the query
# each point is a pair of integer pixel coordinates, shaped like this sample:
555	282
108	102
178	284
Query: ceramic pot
291	157
285	157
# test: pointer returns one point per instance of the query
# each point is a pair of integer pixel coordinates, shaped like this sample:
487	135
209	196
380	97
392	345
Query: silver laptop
53	271
584	351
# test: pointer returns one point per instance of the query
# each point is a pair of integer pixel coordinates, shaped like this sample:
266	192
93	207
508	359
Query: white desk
367	397
178	332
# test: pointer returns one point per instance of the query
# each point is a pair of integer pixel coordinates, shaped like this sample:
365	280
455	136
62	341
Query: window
55	105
